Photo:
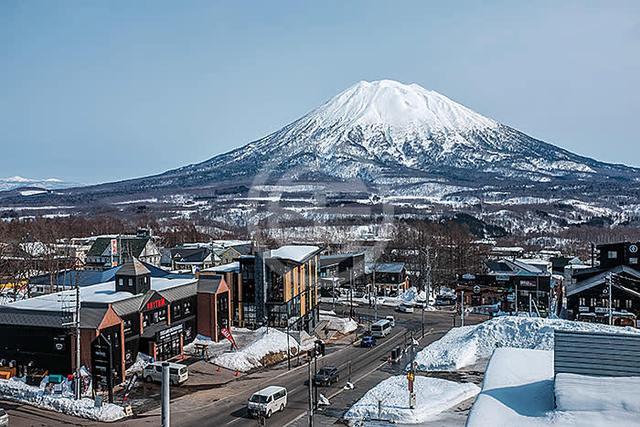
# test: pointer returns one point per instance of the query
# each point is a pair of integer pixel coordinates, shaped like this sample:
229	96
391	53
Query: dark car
445	300
326	376
368	341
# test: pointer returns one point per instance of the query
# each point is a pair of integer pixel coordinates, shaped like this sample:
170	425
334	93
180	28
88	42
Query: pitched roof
18	317
190	255
389	267
179	292
128	306
232	267
133	268
295	253
599	279
210	284
132	246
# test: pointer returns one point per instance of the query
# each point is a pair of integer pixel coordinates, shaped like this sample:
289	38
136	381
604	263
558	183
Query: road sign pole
166	416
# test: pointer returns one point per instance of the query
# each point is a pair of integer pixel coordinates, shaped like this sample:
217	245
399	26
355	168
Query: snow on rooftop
100	293
232	267
519	390
297	253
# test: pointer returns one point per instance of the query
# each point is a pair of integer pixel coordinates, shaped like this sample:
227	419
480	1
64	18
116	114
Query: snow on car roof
268	391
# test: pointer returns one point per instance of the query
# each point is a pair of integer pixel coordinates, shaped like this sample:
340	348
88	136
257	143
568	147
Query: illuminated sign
159	303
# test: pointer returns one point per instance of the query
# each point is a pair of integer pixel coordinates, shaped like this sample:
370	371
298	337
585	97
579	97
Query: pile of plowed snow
464	346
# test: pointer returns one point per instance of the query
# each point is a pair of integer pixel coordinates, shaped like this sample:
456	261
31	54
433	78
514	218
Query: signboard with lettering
102	365
158	303
169	332
114	252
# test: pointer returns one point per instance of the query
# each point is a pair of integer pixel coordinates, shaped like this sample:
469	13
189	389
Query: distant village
133	295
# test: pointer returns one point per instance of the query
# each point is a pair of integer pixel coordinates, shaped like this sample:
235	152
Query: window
187	308
628	304
613	254
582	301
121	282
633	260
593	302
616	303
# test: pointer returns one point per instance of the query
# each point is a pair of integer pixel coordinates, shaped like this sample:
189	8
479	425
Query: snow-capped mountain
13	182
388	133
390	143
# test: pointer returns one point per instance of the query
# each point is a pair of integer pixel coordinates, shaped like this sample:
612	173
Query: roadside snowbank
339	324
267	348
433	396
518	390
465	346
18	391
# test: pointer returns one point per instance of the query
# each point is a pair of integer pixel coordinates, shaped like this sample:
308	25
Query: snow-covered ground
18	391
338	324
467	345
256	349
518	390
433	396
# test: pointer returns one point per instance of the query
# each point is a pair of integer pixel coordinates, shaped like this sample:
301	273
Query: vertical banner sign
114	251
227	334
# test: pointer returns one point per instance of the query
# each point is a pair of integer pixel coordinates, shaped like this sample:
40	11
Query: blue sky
100	91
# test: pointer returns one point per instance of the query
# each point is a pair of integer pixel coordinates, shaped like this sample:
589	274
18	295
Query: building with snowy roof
133	311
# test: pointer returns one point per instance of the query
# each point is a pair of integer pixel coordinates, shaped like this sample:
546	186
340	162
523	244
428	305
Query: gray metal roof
91	317
209	284
574	288
180	292
21	317
389	267
133	268
128	306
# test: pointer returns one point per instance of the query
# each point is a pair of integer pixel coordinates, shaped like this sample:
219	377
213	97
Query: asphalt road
230	409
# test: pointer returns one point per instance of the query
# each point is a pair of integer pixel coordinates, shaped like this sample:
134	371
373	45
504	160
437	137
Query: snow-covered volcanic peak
394	104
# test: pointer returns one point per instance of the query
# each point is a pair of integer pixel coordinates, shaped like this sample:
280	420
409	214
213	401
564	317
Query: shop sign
166	333
159	303
602	310
583	309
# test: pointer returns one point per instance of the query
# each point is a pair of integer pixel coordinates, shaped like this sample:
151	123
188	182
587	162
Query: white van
177	373
381	328
267	401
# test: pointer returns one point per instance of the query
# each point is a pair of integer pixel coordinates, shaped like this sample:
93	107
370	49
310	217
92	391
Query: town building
111	251
342	271
191	259
132	313
613	287
512	285
388	279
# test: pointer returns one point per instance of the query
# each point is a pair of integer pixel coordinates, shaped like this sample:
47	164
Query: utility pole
351	294
78	386
530	308
310	396
288	347
516	299
375	294
166	416
462	310
609	280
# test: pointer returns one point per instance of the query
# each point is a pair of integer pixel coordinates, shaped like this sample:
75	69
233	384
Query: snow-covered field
20	392
433	396
465	346
256	349
518	390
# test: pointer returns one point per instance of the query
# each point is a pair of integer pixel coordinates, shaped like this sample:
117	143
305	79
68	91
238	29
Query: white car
267	401
392	320
177	373
403	308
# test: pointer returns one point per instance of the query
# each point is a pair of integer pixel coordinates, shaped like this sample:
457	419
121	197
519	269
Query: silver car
4	418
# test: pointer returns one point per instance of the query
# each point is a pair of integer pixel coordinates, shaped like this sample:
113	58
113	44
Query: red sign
227	334
159	303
